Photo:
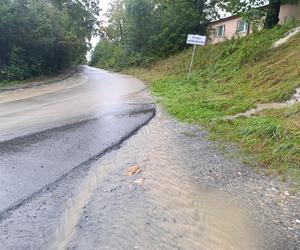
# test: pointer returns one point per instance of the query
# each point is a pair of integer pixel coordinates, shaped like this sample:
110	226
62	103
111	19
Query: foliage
144	30
264	128
256	11
43	36
232	77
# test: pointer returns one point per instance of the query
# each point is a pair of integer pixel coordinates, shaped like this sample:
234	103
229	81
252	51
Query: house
233	26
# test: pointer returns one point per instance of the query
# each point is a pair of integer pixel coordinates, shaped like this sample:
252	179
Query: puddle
175	201
165	205
162	206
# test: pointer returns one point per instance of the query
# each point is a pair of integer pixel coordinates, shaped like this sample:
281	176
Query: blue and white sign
196	39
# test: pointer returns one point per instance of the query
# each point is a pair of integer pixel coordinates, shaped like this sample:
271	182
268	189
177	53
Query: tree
116	20
272	18
250	12
139	31
205	10
44	36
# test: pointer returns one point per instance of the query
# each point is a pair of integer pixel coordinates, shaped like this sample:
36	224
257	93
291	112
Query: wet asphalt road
64	156
47	131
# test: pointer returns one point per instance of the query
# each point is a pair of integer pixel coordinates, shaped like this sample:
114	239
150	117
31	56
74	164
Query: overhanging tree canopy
250	11
44	36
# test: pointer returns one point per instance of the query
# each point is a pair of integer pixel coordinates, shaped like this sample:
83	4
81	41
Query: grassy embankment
233	77
4	84
38	79
12	83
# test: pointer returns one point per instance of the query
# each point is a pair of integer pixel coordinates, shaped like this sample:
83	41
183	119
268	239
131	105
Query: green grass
41	78
9	83
230	78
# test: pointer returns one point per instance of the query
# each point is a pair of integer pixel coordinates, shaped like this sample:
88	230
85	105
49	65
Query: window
242	26
221	31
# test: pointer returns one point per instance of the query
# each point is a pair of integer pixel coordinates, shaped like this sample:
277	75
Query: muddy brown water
48	130
163	207
85	95
98	207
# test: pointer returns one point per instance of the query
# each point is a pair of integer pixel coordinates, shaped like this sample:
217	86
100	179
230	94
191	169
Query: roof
224	19
230	17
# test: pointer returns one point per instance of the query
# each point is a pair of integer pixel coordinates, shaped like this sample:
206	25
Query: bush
41	37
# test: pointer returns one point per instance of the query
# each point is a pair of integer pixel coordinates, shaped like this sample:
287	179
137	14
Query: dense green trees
44	36
139	31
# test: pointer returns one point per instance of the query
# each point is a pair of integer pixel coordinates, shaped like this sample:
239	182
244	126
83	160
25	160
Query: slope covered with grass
230	78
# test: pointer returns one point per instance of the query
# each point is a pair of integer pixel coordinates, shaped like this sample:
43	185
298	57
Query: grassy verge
232	77
4	84
41	79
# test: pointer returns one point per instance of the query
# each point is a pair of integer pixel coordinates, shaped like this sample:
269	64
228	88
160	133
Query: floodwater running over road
62	188
47	131
163	207
86	95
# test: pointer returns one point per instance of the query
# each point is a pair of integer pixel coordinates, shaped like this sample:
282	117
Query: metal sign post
195	40
191	65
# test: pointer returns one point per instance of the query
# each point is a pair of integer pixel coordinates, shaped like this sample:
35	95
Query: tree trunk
273	14
248	28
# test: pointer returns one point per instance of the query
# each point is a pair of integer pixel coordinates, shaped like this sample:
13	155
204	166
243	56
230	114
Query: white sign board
196	39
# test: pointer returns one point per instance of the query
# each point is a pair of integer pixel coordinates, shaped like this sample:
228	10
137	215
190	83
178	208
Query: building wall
230	30
288	12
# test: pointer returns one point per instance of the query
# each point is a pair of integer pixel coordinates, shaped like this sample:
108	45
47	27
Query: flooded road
47	131
88	94
163	207
188	195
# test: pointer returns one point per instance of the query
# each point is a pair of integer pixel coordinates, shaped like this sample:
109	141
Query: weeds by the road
10	83
233	77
